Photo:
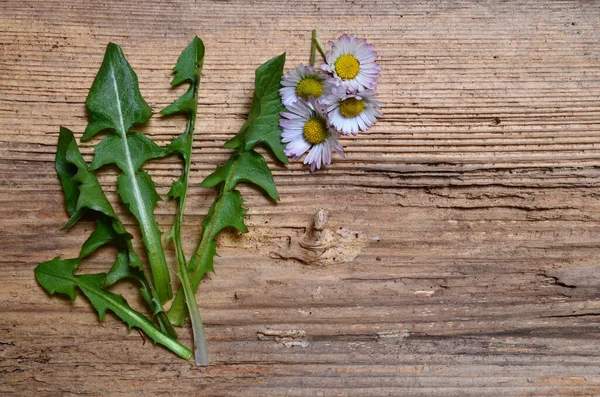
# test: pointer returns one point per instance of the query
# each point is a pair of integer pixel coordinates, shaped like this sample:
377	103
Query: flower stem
313	47
317	43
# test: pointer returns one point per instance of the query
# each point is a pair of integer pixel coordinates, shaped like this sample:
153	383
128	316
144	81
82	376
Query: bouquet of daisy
324	104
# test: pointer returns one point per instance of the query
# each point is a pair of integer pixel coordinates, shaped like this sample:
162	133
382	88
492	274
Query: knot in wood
321	219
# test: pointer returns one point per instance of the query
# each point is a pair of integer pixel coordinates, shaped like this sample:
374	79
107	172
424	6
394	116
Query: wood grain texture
475	203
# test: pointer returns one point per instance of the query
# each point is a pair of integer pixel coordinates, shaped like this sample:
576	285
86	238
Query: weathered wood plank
467	259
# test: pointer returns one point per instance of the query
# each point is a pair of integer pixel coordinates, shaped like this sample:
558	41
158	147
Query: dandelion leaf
245	165
56	276
115	104
262	126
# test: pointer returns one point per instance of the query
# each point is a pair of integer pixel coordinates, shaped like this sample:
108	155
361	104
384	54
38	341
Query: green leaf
250	167
114	101
188	69
91	197
56	276
138	149
177	189
120	270
190	62
89	192
116	104
185	103
109	229
127	263
66	171
141	184
102	235
245	165
227	211
205	258
262	126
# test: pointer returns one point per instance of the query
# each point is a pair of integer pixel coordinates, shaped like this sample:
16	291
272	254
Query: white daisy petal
300	146
303	82
311	156
327	153
353	112
305	129
364	73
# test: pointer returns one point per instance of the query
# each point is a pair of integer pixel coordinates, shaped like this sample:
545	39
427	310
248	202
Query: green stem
164	339
200	352
149	229
132	317
200	349
150	295
313	47
178	310
317	43
156	306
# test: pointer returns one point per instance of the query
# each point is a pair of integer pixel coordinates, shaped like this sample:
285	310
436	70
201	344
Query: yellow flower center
309	87
347	67
351	107
315	131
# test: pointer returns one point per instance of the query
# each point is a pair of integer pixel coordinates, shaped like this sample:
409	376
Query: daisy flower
303	83
350	113
353	62
305	128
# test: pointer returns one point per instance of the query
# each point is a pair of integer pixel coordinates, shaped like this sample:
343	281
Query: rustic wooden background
464	229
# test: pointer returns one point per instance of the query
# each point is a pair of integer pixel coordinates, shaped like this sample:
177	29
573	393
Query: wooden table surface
466	234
